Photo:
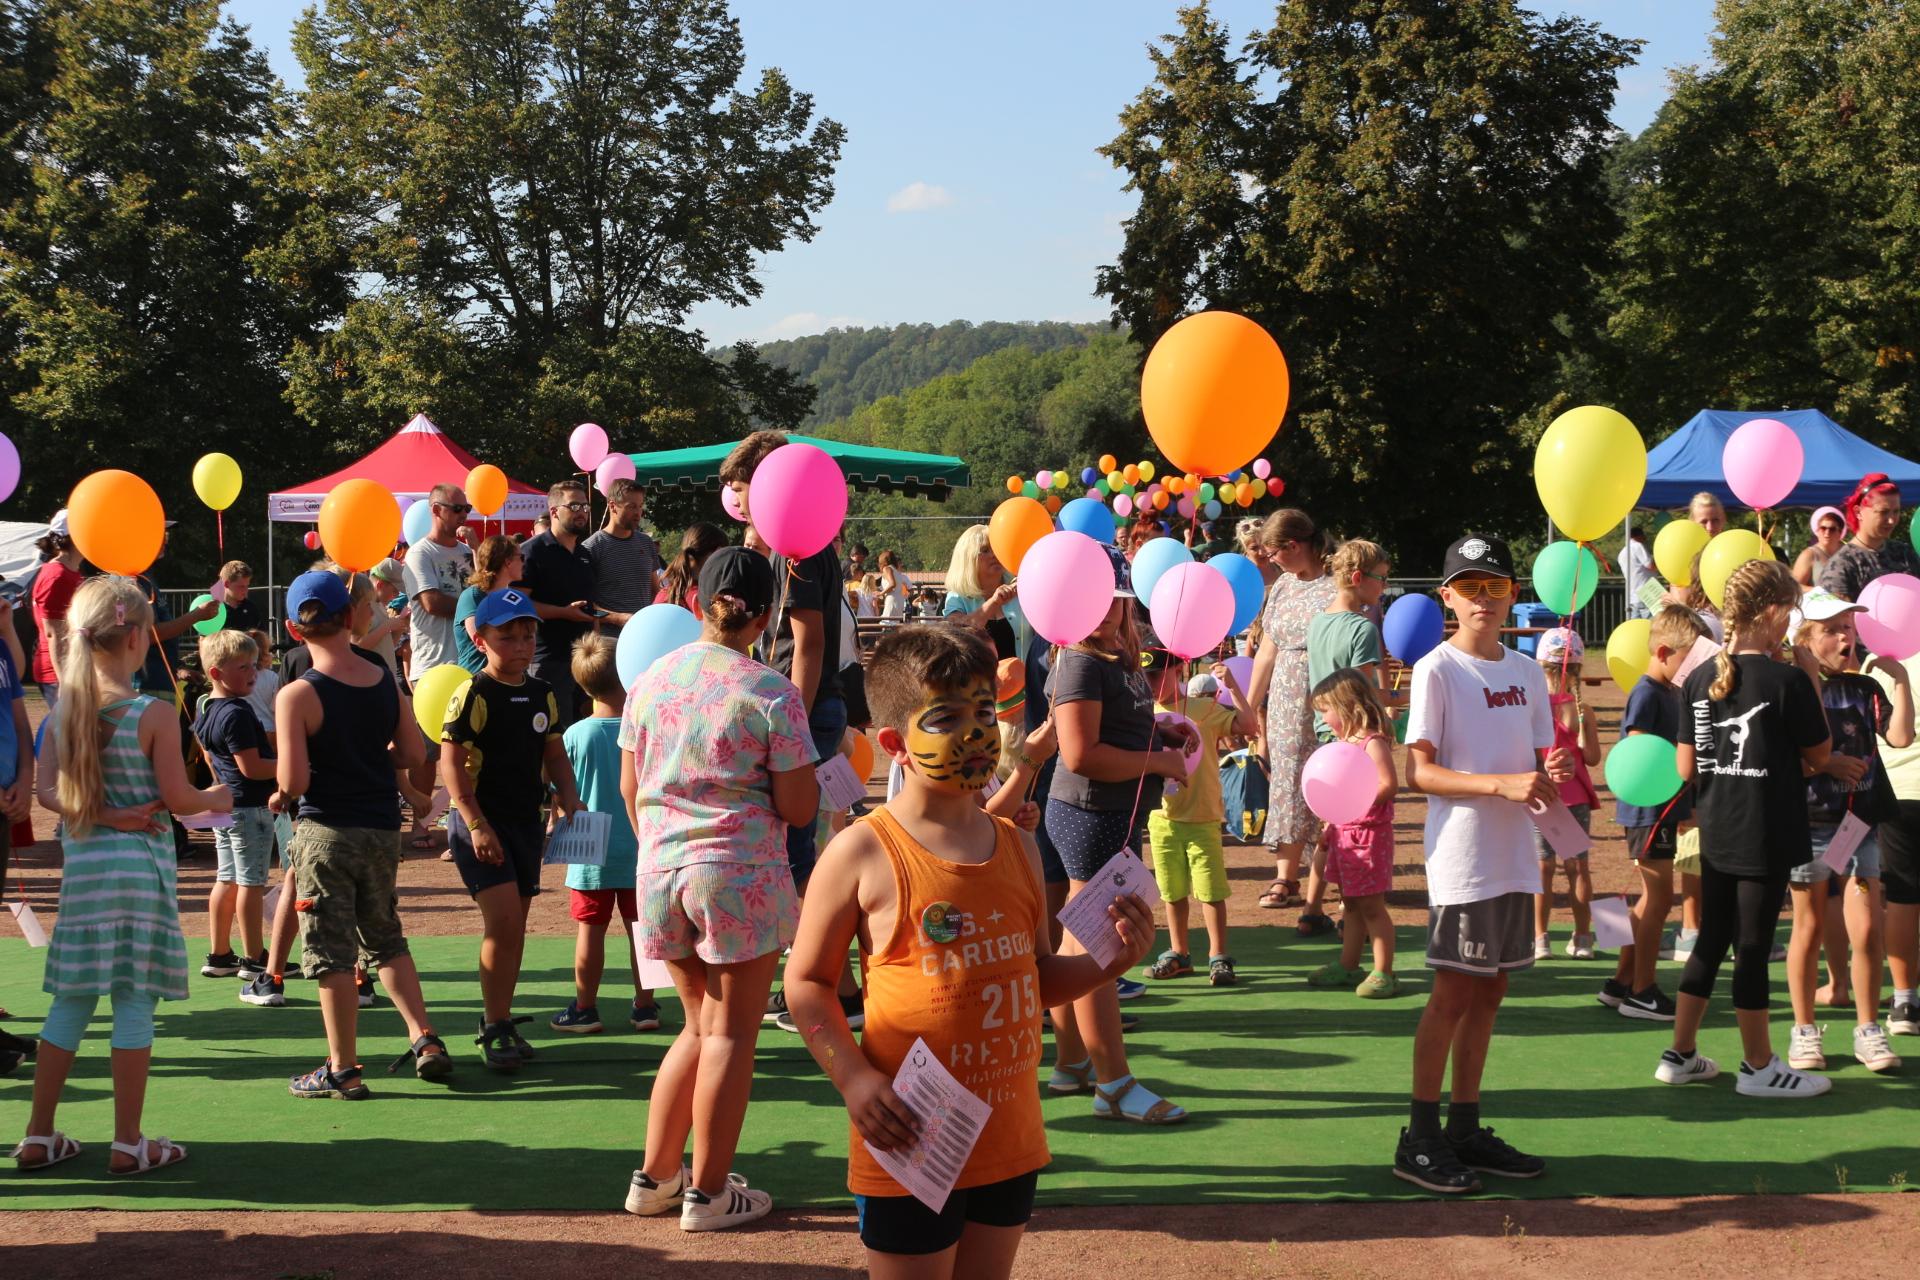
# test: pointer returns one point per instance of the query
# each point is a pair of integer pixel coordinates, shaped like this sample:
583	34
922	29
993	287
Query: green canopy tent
868	469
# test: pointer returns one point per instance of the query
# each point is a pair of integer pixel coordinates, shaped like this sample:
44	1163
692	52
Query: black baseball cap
1477	553
741	574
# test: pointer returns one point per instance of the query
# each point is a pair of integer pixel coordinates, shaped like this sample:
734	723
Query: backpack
1243	787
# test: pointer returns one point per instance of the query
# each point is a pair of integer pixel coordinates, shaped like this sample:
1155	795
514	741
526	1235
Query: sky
969	187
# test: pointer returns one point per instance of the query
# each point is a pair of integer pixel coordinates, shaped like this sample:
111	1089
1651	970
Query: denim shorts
1865	862
244	851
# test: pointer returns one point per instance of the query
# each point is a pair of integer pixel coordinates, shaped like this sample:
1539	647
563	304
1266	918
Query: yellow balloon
216	479
433	694
1727	552
1674	548
1146	471
1589	469
1629	649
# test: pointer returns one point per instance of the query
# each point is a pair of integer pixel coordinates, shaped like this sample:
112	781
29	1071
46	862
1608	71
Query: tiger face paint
953	737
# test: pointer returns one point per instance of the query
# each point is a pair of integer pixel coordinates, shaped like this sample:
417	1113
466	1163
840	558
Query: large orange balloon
1214	392
487	489
116	520
1016	525
359	523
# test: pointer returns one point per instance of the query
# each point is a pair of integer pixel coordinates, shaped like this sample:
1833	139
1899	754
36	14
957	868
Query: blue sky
969	187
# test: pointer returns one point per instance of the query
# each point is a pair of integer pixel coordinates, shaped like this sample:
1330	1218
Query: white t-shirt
1480	717
432	567
1635	561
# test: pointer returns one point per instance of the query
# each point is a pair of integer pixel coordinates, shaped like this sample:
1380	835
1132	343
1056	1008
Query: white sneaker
647	1197
738	1204
1674	1069
1683	945
1777	1080
1542	948
1580	946
1805	1052
1871	1048
1668	942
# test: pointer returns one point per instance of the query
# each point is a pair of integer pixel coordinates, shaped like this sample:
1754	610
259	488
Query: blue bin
1532	613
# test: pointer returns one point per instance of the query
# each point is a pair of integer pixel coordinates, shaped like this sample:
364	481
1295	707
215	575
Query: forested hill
854	367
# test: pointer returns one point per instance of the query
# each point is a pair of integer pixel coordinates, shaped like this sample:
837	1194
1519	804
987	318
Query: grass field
1296	1094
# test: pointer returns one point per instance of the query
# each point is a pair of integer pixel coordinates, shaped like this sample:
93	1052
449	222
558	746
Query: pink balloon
798	499
1122	505
588	445
1167	719
730	504
1065	586
1242	669
1186	507
1891	624
218	591
1339	782
1262	468
615	466
1095	495
1192	609
1762	461
1043	479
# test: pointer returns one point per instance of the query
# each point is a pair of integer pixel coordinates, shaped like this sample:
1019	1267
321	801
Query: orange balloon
1160	501
1053	504
116	520
859	754
1131	472
1246	495
1108	462
359	523
1175	484
1214	391
1016	525
487	489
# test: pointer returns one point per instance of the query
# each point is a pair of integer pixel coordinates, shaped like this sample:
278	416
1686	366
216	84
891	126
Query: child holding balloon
1562	654
1360	854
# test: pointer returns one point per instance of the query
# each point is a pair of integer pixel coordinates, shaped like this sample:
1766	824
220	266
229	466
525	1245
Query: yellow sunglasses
1491	588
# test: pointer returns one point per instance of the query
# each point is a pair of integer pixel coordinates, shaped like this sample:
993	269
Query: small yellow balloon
1146	471
433	693
216	479
1674	548
1589	469
1727	552
1629	649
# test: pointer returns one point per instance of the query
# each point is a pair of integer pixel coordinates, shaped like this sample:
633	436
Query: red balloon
312	539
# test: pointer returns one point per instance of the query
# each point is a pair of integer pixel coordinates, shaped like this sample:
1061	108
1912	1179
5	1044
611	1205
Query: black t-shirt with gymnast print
1752	805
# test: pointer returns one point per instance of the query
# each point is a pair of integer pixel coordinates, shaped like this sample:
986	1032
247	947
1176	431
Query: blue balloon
1212	510
1249	589
1084	515
656	630
417	523
1155	557
1412	627
1088	475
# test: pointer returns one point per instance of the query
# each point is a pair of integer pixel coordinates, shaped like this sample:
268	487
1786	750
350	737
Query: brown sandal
1281	893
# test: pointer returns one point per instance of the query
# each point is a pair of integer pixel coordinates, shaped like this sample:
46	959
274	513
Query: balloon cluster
1142	488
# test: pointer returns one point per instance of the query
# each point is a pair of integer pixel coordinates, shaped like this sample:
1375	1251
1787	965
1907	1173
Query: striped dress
118	931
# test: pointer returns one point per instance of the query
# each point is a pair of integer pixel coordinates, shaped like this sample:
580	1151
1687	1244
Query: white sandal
170	1153
58	1146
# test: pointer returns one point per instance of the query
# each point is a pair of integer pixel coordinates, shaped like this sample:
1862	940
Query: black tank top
350	782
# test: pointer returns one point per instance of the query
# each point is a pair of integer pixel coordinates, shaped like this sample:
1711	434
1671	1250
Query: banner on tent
304	508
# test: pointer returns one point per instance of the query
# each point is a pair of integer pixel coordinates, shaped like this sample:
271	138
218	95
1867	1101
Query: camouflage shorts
346	882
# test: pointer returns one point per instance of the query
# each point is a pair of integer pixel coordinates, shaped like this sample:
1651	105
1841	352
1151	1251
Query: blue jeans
828	724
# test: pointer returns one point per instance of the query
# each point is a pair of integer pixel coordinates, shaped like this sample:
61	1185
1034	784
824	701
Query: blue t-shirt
593	749
229	725
467	654
10	693
1654	708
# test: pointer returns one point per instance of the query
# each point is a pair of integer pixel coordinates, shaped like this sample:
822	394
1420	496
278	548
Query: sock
1806	1027
1903	995
1426	1119
1679	1055
1463	1119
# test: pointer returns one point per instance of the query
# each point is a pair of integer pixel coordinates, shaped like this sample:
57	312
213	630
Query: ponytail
104	613
1754	589
1725	677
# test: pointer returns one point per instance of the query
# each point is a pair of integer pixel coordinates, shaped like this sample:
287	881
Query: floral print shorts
722	912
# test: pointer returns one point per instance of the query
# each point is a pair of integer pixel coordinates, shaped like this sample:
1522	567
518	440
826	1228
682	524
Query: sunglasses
458	508
573	506
1377	577
1473	588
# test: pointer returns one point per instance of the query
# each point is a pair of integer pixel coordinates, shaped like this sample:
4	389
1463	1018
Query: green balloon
1642	770
1564	577
208	626
1102	486
1206	491
1031	490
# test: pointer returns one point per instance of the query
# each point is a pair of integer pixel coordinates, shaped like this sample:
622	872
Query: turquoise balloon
1643	770
1155	557
207	626
1564	577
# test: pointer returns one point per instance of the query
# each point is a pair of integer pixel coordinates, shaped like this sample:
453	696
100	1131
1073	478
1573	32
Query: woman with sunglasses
1829	530
1872	513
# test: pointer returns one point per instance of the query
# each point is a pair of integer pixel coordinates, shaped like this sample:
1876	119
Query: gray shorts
1486	938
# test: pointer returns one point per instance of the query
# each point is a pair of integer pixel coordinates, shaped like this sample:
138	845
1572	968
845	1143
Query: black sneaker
1431	1163
1482	1152
365	993
224	965
776	1005
264	991
255	967
1904	1020
1651	1005
1612	993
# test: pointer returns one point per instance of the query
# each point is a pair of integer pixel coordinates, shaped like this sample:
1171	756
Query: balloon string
220	533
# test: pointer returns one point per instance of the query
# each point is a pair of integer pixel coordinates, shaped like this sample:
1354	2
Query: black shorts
901	1224
1900	855
1653	844
522	842
1485	939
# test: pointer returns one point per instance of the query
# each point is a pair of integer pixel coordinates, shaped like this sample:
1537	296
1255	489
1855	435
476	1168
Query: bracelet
475	824
1025	761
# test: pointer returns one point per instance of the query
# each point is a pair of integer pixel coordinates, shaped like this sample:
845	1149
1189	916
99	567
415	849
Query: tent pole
270	619
1626	563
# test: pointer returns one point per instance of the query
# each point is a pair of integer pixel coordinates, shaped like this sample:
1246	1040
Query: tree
1408	195
533	196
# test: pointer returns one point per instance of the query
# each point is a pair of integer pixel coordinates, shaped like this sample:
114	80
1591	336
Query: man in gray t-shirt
437	569
626	562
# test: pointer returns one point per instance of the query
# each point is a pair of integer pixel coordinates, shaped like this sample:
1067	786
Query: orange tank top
959	972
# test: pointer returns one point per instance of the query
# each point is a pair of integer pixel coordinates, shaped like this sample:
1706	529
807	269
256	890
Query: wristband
1025	761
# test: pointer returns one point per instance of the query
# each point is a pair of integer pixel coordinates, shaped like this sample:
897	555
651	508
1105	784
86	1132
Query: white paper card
1846	841
840	787
951	1121
1085	915
436	808
653	974
1651	590
206	821
1702	651
1612	923
30	926
1558	827
580	840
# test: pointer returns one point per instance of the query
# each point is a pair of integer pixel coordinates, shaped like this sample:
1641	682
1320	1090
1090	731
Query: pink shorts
596	906
722	912
1360	859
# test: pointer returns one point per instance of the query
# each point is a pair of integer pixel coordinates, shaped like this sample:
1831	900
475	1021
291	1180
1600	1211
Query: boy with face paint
946	901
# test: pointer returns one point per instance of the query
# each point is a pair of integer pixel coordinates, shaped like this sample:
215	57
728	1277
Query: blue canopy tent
1688	461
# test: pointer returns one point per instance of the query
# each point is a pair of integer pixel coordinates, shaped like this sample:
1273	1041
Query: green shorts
1187	858
346	878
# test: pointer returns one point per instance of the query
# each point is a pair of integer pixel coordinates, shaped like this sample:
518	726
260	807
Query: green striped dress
119	925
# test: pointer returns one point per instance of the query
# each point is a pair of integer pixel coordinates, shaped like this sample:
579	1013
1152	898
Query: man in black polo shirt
557	572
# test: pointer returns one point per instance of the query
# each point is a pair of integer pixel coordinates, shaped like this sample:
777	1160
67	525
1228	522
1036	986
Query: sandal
1171	964
1334	974
1071	1077
170	1153
1109	1103
427	1066
1281	893
57	1145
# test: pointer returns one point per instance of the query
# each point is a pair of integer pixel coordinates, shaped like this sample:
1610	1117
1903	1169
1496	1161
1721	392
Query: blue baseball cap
497	608
319	587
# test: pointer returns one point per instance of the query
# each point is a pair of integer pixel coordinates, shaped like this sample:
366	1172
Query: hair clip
119	613
85	633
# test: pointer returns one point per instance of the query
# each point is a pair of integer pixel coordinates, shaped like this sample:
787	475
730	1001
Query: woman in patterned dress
117	767
1279	689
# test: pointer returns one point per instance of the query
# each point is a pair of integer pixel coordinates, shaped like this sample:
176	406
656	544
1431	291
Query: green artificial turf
1295	1094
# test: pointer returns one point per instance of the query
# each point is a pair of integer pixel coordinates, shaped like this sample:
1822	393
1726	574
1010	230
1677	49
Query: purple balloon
1065	586
1192	609
1242	669
9	468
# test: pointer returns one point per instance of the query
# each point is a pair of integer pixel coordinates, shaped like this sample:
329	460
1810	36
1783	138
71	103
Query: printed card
1560	829
654	974
840	787
951	1121
1085	915
1846	842
30	926
206	821
1651	590
580	840
271	903
1612	923
1702	651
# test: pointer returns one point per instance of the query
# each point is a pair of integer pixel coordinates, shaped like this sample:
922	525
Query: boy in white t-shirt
1480	745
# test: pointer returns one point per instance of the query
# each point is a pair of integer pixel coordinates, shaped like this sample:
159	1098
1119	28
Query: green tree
1408	195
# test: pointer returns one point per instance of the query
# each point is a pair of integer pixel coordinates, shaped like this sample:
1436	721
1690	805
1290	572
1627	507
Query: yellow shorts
1187	858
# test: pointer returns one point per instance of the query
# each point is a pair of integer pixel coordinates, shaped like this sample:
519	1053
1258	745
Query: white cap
59	522
1820	606
1202	685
